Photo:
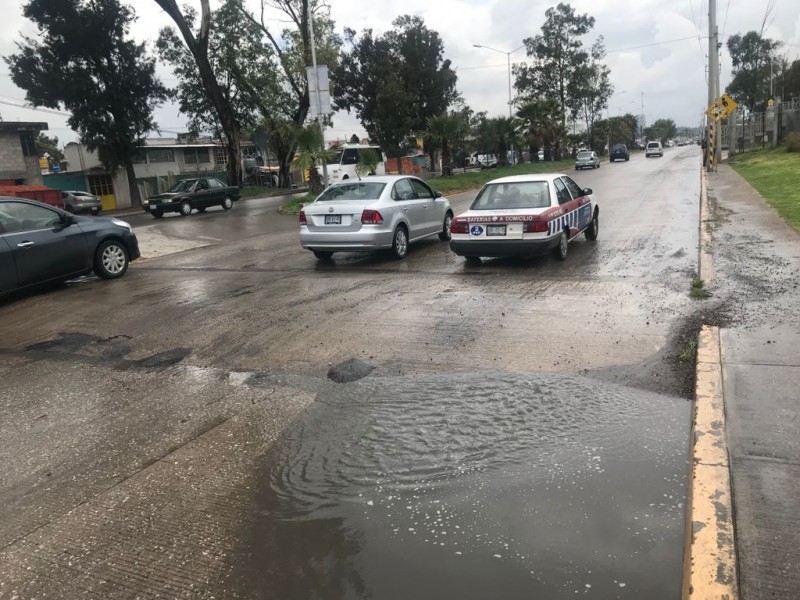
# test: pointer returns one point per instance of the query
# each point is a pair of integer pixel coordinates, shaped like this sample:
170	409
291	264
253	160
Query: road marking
710	570
153	244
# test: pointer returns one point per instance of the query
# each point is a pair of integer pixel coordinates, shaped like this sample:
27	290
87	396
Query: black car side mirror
67	219
587	191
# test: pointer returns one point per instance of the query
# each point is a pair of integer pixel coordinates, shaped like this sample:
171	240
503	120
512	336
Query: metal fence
757	130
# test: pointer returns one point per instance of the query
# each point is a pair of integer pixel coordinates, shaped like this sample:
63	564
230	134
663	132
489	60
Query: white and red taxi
525	215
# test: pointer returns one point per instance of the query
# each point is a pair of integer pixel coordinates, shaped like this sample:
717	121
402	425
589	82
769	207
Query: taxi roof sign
722	107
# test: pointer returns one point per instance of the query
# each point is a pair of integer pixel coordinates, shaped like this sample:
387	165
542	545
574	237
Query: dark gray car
40	243
81	202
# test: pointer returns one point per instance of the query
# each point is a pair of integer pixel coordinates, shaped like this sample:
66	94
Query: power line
497	65
691	37
725	21
43	110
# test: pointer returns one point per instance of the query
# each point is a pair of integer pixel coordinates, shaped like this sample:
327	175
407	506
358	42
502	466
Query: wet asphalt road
524	432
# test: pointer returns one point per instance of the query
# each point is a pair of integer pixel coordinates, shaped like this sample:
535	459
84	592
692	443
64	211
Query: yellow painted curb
710	553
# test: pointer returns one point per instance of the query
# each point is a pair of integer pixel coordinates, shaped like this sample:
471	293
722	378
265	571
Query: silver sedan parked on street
375	213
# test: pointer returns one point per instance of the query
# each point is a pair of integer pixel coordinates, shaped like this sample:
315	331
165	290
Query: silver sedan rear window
358	190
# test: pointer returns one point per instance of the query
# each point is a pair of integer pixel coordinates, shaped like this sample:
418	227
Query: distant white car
525	215
653	149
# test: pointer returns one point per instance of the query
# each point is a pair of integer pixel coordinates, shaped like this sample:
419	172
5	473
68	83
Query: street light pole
508	57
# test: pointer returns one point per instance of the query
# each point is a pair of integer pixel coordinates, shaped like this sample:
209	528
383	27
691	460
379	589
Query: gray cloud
669	76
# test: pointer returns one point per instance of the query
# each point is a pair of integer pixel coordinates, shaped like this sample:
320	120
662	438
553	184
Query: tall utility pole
713	76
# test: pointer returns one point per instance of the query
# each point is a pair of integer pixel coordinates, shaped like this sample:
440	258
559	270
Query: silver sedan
375	213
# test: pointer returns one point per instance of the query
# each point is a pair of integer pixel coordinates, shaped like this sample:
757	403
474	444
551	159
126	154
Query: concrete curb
710	569
705	268
709	564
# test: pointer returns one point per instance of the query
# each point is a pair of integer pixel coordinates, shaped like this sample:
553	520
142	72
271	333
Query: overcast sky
656	49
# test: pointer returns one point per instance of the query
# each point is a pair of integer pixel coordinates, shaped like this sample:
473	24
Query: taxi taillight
535	227
459	226
303	218
371	217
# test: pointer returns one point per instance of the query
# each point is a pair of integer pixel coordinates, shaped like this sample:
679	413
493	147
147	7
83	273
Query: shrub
793	142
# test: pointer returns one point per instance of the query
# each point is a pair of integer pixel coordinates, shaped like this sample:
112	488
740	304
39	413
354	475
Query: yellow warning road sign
722	107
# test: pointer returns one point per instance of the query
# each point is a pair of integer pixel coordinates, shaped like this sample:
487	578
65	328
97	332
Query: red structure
34	192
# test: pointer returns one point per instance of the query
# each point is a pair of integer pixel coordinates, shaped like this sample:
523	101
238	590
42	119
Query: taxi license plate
333	219
495	230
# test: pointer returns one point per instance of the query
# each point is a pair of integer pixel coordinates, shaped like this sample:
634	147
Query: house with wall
19	159
160	163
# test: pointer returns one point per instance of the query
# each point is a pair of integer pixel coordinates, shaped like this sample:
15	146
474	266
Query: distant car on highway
653	149
525	215
79	202
192	194
619	152
587	159
40	243
380	212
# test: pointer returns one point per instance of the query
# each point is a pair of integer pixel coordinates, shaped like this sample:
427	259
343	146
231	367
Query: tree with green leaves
557	55
310	153
368	161
751	55
211	81
662	129
396	82
495	136
285	107
83	60
443	131
590	88
540	127
615	130
49	145
235	52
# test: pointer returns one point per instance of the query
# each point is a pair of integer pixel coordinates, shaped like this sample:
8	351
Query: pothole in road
671	370
350	370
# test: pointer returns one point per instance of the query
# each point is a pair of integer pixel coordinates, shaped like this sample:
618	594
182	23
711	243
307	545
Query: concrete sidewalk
756	259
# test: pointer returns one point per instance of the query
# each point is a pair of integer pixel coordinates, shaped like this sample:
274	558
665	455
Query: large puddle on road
475	486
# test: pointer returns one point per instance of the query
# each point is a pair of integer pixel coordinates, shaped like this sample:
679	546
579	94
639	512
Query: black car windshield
524	194
182	186
358	190
584	155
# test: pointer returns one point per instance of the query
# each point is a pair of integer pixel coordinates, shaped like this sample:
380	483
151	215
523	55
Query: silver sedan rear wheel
444	234
400	242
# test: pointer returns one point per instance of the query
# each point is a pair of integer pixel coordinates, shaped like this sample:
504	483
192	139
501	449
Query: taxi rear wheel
594	228
563	247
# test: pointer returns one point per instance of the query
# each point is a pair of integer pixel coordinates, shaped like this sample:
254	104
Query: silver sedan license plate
333	219
495	230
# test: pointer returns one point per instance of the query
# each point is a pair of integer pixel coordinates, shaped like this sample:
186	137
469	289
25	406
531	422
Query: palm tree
540	127
443	131
505	133
368	161
310	153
